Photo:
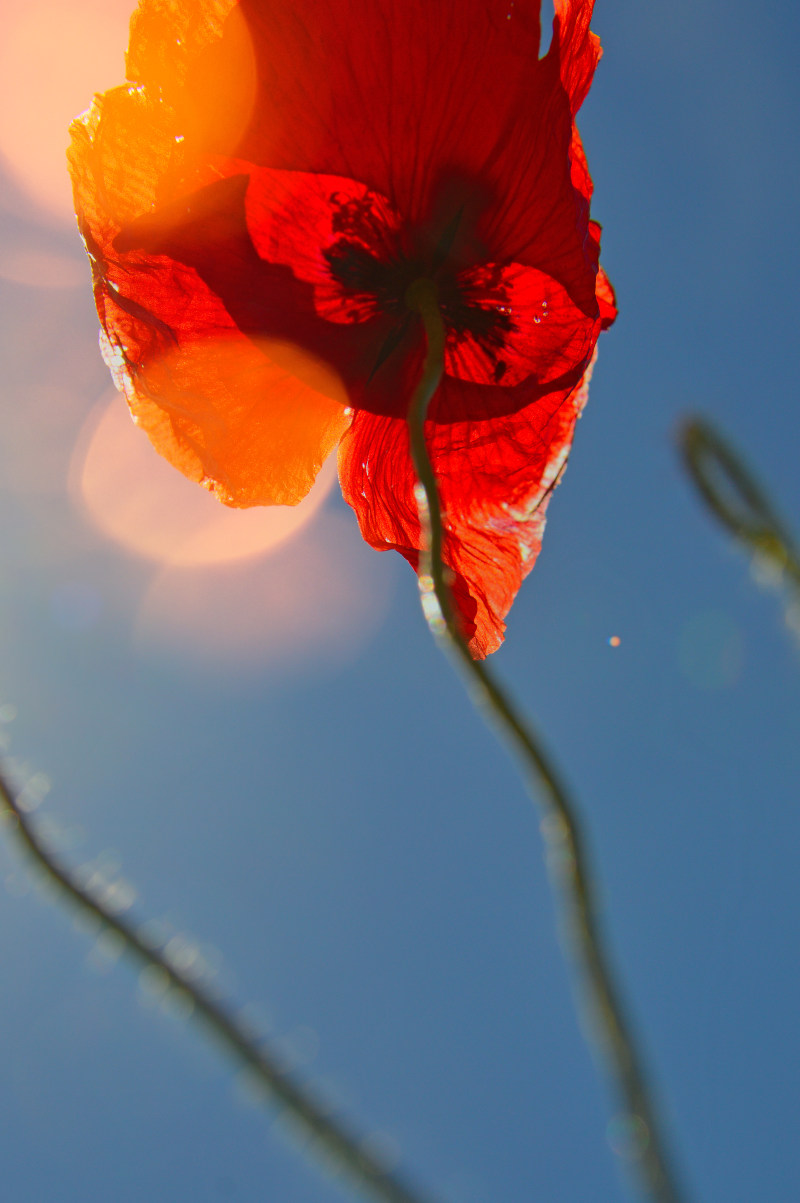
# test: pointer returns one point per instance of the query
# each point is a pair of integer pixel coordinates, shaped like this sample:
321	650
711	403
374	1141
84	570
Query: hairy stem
330	1137
566	850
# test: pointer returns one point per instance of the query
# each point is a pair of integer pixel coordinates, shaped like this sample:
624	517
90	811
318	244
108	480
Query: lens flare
138	500
25	261
317	602
711	650
53	58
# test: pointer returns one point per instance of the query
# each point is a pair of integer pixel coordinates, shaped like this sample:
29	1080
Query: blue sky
318	807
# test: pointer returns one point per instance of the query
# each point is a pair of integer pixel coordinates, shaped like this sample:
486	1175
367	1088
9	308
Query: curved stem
734	496
562	832
333	1138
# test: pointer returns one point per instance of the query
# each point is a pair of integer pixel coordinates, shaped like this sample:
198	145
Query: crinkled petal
389	93
434	106
240	419
576	47
252	421
495	480
196	59
541	333
299	218
202	190
250	417
606	300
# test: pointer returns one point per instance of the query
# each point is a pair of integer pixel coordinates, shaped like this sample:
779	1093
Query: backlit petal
434	107
236	197
577	48
298	218
250	417
495	480
547	336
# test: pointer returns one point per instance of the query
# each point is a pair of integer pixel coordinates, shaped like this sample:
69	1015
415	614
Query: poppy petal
606	299
236	197
252	421
251	418
540	332
495	479
298	219
577	48
338	92
196	60
241	419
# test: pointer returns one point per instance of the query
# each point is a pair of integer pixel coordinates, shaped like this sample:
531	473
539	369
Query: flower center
474	303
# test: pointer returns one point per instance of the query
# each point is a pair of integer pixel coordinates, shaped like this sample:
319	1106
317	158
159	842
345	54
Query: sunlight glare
136	498
318	601
53	58
25	262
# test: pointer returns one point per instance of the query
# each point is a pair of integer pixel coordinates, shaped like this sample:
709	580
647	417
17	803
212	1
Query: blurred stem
734	496
565	845
331	1138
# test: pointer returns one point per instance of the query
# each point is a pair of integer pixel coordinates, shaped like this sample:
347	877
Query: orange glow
218	99
38	268
317	601
53	57
256	419
140	501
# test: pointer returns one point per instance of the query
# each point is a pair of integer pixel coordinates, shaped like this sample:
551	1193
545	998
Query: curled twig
736	499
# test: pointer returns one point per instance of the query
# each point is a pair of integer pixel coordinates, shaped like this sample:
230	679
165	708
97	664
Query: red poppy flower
258	199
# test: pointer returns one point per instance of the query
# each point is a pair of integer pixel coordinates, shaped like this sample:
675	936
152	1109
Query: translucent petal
495	480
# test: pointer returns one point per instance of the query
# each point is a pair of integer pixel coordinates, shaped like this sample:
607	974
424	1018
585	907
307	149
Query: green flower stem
736	499
330	1139
566	851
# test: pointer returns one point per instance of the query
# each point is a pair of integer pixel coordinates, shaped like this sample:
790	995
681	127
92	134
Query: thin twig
735	497
562	831
334	1141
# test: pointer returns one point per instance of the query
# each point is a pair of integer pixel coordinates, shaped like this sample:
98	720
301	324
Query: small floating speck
614	641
